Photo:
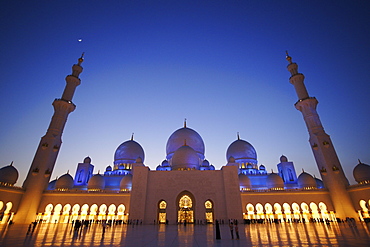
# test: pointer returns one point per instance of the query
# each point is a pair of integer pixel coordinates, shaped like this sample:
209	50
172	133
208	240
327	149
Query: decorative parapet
283	190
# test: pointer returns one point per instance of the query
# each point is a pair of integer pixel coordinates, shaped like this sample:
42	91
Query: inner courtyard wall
219	186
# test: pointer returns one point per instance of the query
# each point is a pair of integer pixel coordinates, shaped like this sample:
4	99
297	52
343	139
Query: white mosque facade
185	186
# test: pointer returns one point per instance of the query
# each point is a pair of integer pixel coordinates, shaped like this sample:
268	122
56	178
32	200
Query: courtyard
285	234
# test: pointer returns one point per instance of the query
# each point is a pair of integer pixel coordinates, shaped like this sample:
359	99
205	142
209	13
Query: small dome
126	182
193	140
128	152
9	174
274	181
185	158
319	183
283	158
165	163
242	151
96	182
139	160
108	169
249	166
361	172
305	180
64	182
87	160
231	159
205	163
244	181
51	185
212	167
262	168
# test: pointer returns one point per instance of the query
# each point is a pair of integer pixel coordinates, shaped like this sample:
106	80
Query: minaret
322	147
47	152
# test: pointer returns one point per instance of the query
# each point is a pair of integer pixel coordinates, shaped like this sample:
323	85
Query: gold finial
359	161
302	170
11	164
288	58
185	142
185	123
132	137
81	59
67	171
238	135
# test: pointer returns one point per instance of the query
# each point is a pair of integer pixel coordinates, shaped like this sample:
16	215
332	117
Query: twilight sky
150	64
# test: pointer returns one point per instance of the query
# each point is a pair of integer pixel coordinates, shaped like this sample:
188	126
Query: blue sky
150	64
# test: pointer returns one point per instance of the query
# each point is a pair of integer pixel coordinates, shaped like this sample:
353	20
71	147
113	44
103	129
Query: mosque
185	187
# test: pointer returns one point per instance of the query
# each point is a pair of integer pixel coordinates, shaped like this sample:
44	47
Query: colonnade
365	208
68	213
289	212
5	214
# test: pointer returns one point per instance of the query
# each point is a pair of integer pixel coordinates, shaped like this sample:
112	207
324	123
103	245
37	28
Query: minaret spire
185	123
322	147
288	58
132	137
47	152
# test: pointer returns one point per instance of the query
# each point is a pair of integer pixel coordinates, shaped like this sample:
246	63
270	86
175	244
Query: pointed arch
162	216
209	211
56	215
185	207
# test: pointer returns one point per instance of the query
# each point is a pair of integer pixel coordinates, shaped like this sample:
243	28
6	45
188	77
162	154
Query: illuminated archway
259	209
364	209
84	211
121	212
75	210
9	206
65	214
111	212
296	211
250	211
47	214
6	214
278	212
162	216
56	215
102	212
185	208
305	211
287	212
268	210
314	210
209	211
323	210
93	212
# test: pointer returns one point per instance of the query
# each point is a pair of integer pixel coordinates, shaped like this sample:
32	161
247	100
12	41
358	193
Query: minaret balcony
47	173
323	171
62	104
35	171
335	169
315	146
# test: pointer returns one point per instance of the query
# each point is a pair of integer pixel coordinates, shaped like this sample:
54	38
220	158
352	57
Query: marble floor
285	234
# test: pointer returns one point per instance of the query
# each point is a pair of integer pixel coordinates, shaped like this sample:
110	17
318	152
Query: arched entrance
162	219
209	211
185	212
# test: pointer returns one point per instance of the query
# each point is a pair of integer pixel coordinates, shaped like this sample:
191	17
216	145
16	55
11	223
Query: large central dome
128	152
242	151
179	137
